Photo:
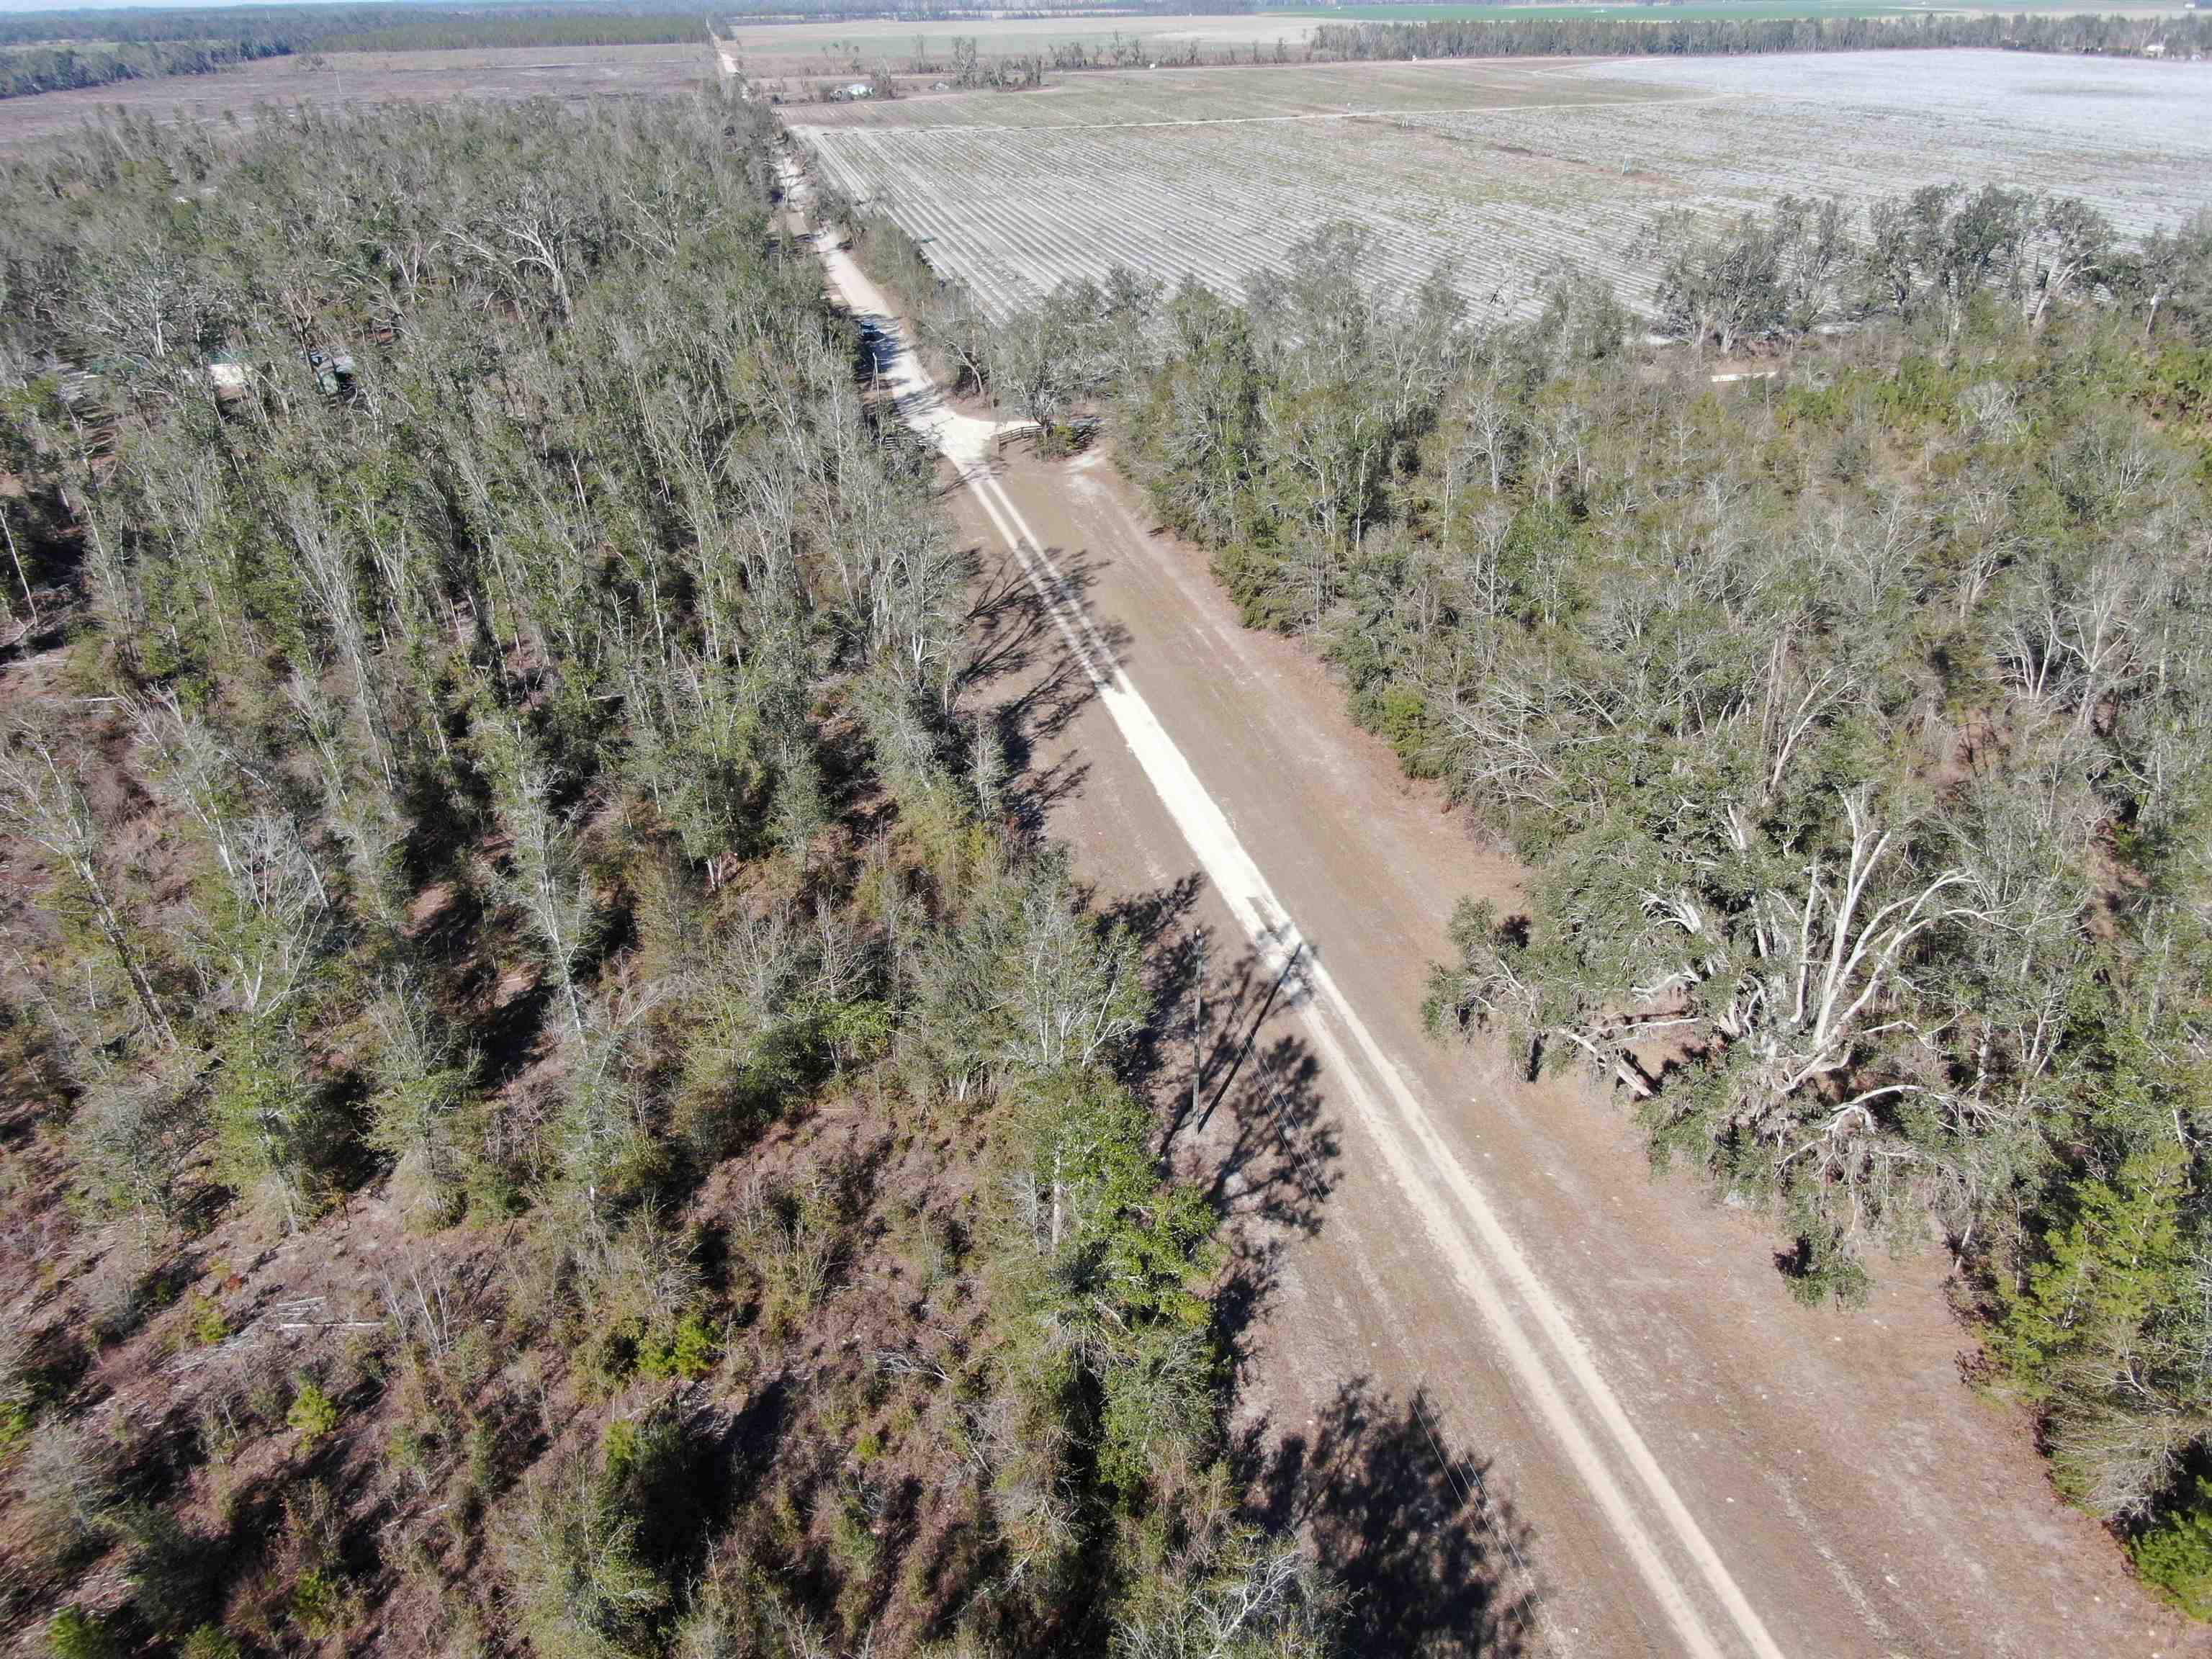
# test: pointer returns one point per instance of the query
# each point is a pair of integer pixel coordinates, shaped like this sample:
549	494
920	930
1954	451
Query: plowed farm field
1507	173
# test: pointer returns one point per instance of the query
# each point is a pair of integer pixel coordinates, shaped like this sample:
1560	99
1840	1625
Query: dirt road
1631	1440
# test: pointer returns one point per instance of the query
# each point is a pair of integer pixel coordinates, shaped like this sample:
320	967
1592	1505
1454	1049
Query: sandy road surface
1686	1461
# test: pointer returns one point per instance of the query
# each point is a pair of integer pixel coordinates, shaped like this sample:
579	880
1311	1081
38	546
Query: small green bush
582	1588
73	1634
17	1418
854	1542
204	1320
688	1352
210	1642
318	1603
314	1413
2176	1555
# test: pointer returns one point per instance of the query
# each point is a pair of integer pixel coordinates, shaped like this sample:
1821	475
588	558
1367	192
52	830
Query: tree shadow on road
1245	1113
1430	1558
1041	685
1240	1106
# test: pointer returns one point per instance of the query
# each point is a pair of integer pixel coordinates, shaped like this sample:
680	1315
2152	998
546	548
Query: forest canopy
559	1099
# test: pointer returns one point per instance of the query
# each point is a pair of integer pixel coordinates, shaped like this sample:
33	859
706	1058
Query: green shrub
314	1413
204	1320
318	1603
278	1136
73	1634
16	1418
413	1446
2176	1555
688	1352
854	1542
209	1641
2180	379
583	1590
1400	719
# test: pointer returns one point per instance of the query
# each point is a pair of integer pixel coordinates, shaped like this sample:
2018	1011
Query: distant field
832	48
798	49
1113	99
1744	9
1749	9
805	49
1505	170
370	77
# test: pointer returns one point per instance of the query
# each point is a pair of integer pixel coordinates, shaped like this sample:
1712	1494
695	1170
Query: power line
1479	1499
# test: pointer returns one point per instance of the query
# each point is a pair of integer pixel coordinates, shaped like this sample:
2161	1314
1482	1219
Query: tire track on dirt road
1554	1367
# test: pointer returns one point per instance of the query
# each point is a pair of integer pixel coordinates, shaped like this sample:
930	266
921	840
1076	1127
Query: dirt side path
1862	1499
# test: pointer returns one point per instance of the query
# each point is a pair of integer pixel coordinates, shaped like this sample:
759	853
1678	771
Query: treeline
304	27
262	25
963	61
566	27
28	70
771	11
1851	719
1139	51
2176	36
137	44
559	1105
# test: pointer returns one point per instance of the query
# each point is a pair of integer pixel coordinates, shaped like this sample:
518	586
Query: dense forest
1849	716
2176	36
275	29
552	1098
24	70
412	30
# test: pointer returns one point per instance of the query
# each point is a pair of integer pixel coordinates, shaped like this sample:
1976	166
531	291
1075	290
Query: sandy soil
368	78
1671	1454
1503	172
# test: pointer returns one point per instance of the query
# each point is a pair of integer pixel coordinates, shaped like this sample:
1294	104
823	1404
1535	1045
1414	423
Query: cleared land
772	50
1107	100
839	47
567	72
1507	171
